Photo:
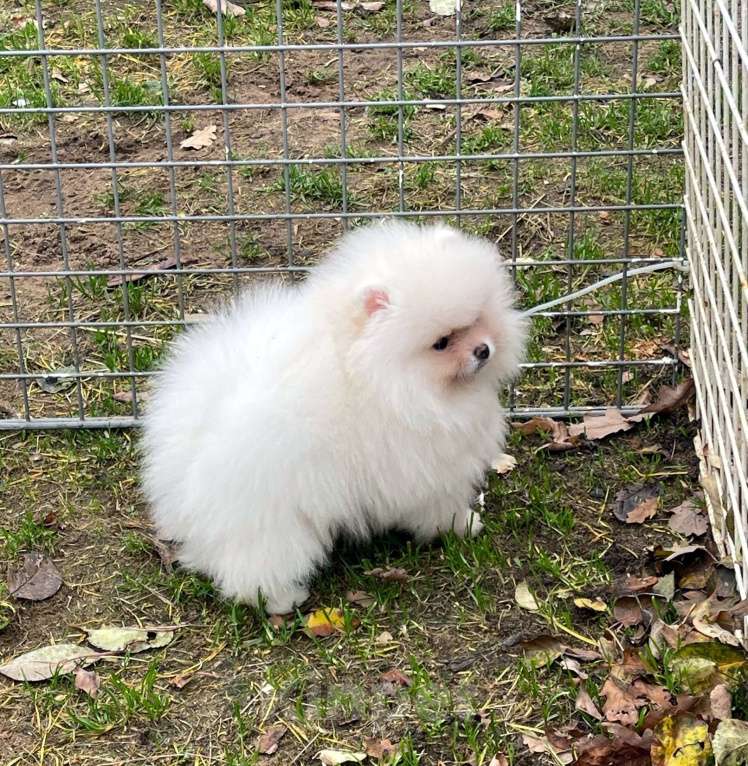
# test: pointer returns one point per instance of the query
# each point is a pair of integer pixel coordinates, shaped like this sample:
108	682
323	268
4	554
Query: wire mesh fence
154	157
715	47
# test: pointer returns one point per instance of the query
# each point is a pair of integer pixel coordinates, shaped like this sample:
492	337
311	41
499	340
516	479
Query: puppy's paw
468	524
284	601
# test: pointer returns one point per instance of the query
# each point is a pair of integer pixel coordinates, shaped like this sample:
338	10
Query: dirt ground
435	649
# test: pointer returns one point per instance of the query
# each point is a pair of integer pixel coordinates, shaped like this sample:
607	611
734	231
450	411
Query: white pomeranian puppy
362	400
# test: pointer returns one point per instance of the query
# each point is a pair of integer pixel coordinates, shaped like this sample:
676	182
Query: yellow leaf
594	605
325	622
681	740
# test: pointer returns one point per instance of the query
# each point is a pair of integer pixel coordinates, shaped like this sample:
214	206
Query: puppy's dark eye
441	344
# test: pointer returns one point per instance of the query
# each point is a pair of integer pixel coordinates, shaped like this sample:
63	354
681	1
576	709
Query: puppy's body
301	413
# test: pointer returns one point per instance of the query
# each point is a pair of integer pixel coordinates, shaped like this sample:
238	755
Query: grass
456	608
245	675
323	185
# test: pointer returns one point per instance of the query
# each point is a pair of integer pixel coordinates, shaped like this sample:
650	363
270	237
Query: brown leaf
87	681
687	519
602	751
36	579
585	703
621	701
372	7
166	550
670	398
584	655
200	139
181	680
394	574
379	748
360	598
599	426
720	702
573	666
543	745
634	505
561	438
635	584
499	760
396	677
658	696
627	612
267	744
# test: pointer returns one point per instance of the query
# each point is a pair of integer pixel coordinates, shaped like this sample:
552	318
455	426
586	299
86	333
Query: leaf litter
677	622
36	579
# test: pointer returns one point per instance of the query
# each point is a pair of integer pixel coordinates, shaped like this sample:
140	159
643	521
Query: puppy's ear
374	299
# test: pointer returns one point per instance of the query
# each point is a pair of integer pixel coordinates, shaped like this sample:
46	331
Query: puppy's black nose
482	352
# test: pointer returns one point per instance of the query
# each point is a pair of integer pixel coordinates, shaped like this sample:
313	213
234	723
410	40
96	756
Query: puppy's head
433	310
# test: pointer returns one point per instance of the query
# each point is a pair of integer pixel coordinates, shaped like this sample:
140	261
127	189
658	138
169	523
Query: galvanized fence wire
83	367
715	45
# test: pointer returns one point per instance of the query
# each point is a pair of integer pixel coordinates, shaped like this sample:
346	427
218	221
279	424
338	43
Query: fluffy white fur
300	413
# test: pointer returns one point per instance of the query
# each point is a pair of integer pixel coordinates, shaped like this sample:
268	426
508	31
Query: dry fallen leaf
730	743
200	139
41	664
443	7
633	584
634	505
542	651
720	703
227	8
687	519
117	639
504	464
385	637
681	740
602	751
499	760
592	605
87	681
670	398
394	574
324	622
627	612
166	550
524	597
336	757
703	620
599	426
267	743
561	438
57	381
396	677
360	598
621	701
36	579
543	745
585	703
379	748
